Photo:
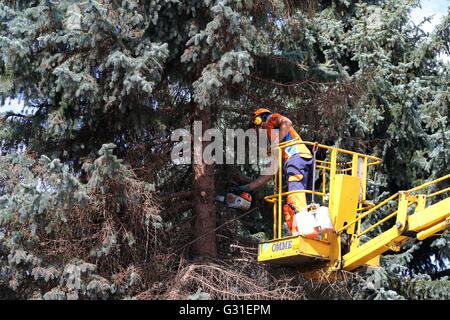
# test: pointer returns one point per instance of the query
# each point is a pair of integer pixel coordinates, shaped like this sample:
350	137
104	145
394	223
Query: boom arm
423	223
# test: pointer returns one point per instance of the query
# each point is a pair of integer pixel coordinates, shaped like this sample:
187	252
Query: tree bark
203	190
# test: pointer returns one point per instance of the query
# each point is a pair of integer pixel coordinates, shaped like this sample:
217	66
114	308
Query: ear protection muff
259	117
257	121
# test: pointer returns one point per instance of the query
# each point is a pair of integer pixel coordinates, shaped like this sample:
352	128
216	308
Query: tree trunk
203	191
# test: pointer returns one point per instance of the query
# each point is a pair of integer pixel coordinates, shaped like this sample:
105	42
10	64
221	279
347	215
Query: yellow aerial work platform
344	184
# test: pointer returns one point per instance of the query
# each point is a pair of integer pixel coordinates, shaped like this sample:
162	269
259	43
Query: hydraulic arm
423	223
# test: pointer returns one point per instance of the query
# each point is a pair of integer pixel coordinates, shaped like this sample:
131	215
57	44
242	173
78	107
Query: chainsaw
236	199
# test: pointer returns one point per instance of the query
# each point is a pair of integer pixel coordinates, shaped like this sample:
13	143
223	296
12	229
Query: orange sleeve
272	121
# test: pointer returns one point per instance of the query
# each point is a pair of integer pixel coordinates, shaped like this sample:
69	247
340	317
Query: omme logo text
278	246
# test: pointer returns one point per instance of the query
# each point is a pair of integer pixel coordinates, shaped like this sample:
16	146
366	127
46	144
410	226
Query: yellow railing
410	201
358	167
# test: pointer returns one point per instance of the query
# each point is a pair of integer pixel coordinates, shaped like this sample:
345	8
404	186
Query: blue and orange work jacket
301	149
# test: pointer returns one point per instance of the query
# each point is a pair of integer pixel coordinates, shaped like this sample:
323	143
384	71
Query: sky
435	8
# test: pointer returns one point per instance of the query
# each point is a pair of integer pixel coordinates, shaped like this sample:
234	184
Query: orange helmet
256	117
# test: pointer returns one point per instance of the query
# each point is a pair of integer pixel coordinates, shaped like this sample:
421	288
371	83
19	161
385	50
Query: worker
297	159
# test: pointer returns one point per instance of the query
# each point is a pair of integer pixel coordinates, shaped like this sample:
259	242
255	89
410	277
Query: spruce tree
354	74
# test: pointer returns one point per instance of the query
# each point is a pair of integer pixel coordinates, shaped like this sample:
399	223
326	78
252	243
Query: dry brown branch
243	278
178	195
